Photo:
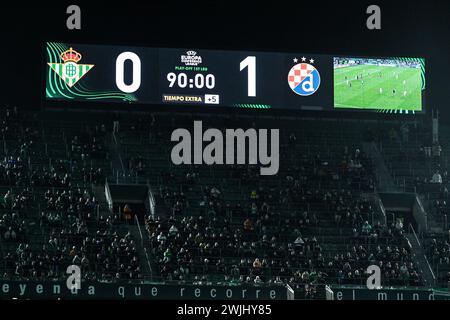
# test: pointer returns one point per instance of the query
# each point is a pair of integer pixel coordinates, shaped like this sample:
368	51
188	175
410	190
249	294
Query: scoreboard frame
156	106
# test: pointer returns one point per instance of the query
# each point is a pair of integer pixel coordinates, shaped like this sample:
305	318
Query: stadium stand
315	222
305	226
50	215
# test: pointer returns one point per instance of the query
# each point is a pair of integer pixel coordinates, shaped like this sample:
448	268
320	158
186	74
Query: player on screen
405	93
393	92
381	90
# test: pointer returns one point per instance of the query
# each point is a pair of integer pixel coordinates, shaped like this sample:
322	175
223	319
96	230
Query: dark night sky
409	28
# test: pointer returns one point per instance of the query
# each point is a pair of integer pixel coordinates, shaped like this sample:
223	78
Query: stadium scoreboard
240	79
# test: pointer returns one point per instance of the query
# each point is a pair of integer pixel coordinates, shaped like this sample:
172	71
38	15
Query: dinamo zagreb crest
304	79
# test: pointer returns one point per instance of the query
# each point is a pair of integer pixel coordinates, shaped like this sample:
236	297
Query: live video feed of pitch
379	84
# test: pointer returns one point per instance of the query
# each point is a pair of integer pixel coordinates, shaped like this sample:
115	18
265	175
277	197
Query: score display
298	81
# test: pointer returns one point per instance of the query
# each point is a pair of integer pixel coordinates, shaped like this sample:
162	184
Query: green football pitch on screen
378	87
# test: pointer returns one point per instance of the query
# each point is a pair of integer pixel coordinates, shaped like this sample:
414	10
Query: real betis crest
70	71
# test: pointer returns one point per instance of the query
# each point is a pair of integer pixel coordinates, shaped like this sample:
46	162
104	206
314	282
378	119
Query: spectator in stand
399	225
437	178
253	210
173	231
254	195
10	235
366	229
248	225
278	280
215	193
128	214
436	151
258	280
257	266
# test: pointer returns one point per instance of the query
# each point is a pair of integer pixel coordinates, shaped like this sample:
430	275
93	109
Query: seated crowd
310	224
49	216
277	233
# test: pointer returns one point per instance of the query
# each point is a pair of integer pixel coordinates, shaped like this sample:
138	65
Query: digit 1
250	62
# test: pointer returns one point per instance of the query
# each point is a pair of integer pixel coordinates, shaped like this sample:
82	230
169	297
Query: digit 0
120	73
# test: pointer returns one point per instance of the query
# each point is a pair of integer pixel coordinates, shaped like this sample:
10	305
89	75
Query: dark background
409	28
